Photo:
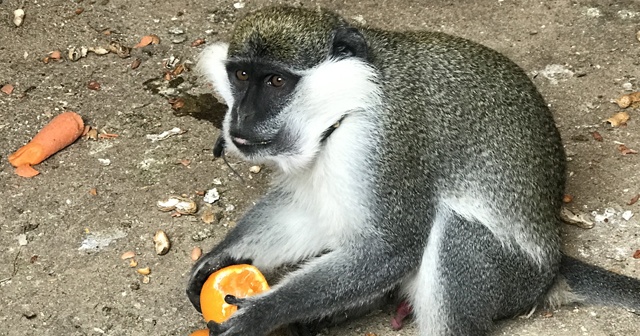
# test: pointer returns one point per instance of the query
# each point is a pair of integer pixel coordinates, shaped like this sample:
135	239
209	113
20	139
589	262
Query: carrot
59	133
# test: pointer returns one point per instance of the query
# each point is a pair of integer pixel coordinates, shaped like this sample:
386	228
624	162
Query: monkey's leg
271	234
468	278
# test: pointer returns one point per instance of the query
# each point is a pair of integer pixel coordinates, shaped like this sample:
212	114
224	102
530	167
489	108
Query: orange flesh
201	332
238	280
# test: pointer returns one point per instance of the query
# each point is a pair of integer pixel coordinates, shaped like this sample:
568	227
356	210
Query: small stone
255	169
238	5
627	86
211	196
176	31
22	239
179	39
627	215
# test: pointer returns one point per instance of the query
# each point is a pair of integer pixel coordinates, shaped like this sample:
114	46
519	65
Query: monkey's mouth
248	145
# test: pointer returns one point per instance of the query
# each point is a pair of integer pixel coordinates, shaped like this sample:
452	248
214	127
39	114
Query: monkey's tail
592	284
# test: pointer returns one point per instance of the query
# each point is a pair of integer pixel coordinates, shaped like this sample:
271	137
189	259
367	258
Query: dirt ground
63	232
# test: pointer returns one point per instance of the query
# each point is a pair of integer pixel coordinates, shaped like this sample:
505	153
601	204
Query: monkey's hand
247	320
207	265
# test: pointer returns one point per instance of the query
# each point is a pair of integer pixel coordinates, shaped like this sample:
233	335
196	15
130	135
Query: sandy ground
581	54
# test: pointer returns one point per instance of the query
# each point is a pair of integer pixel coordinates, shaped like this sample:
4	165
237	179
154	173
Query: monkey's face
282	101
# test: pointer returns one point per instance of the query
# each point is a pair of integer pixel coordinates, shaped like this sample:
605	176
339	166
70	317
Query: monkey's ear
349	42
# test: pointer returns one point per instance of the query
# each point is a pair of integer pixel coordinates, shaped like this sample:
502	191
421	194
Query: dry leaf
198	42
631	99
105	135
92	134
147	40
626	150
634	199
208	216
618	119
7	88
178	69
136	63
93	85
176	103
597	136
567	198
55	55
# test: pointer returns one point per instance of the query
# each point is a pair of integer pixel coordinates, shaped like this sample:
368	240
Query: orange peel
240	281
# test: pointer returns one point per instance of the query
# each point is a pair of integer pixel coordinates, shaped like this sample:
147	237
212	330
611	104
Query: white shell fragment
162	242
168	204
211	196
627	215
99	50
578	219
75	54
255	169
164	135
18	16
181	205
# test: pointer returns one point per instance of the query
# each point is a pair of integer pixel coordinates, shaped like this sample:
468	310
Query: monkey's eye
276	81
242	75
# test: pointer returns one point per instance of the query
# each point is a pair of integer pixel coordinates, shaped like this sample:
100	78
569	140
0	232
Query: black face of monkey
260	92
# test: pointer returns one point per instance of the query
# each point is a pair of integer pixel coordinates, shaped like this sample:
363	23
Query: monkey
410	162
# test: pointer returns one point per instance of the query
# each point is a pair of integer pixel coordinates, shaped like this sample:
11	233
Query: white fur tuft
212	65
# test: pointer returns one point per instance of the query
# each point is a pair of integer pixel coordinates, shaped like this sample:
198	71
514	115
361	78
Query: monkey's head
288	75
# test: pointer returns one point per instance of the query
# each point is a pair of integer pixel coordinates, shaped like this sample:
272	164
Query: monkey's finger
218	148
215	329
232	300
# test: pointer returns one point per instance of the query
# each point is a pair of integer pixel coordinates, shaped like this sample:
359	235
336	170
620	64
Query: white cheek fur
323	96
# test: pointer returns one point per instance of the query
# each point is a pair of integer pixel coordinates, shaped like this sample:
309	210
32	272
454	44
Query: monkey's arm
339	280
272	233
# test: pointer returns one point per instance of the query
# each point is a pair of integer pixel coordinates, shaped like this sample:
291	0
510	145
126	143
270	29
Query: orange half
201	332
240	281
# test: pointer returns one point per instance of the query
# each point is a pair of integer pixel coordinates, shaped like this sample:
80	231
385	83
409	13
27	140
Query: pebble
22	239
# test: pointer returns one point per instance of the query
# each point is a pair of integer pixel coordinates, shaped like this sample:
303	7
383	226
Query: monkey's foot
404	310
